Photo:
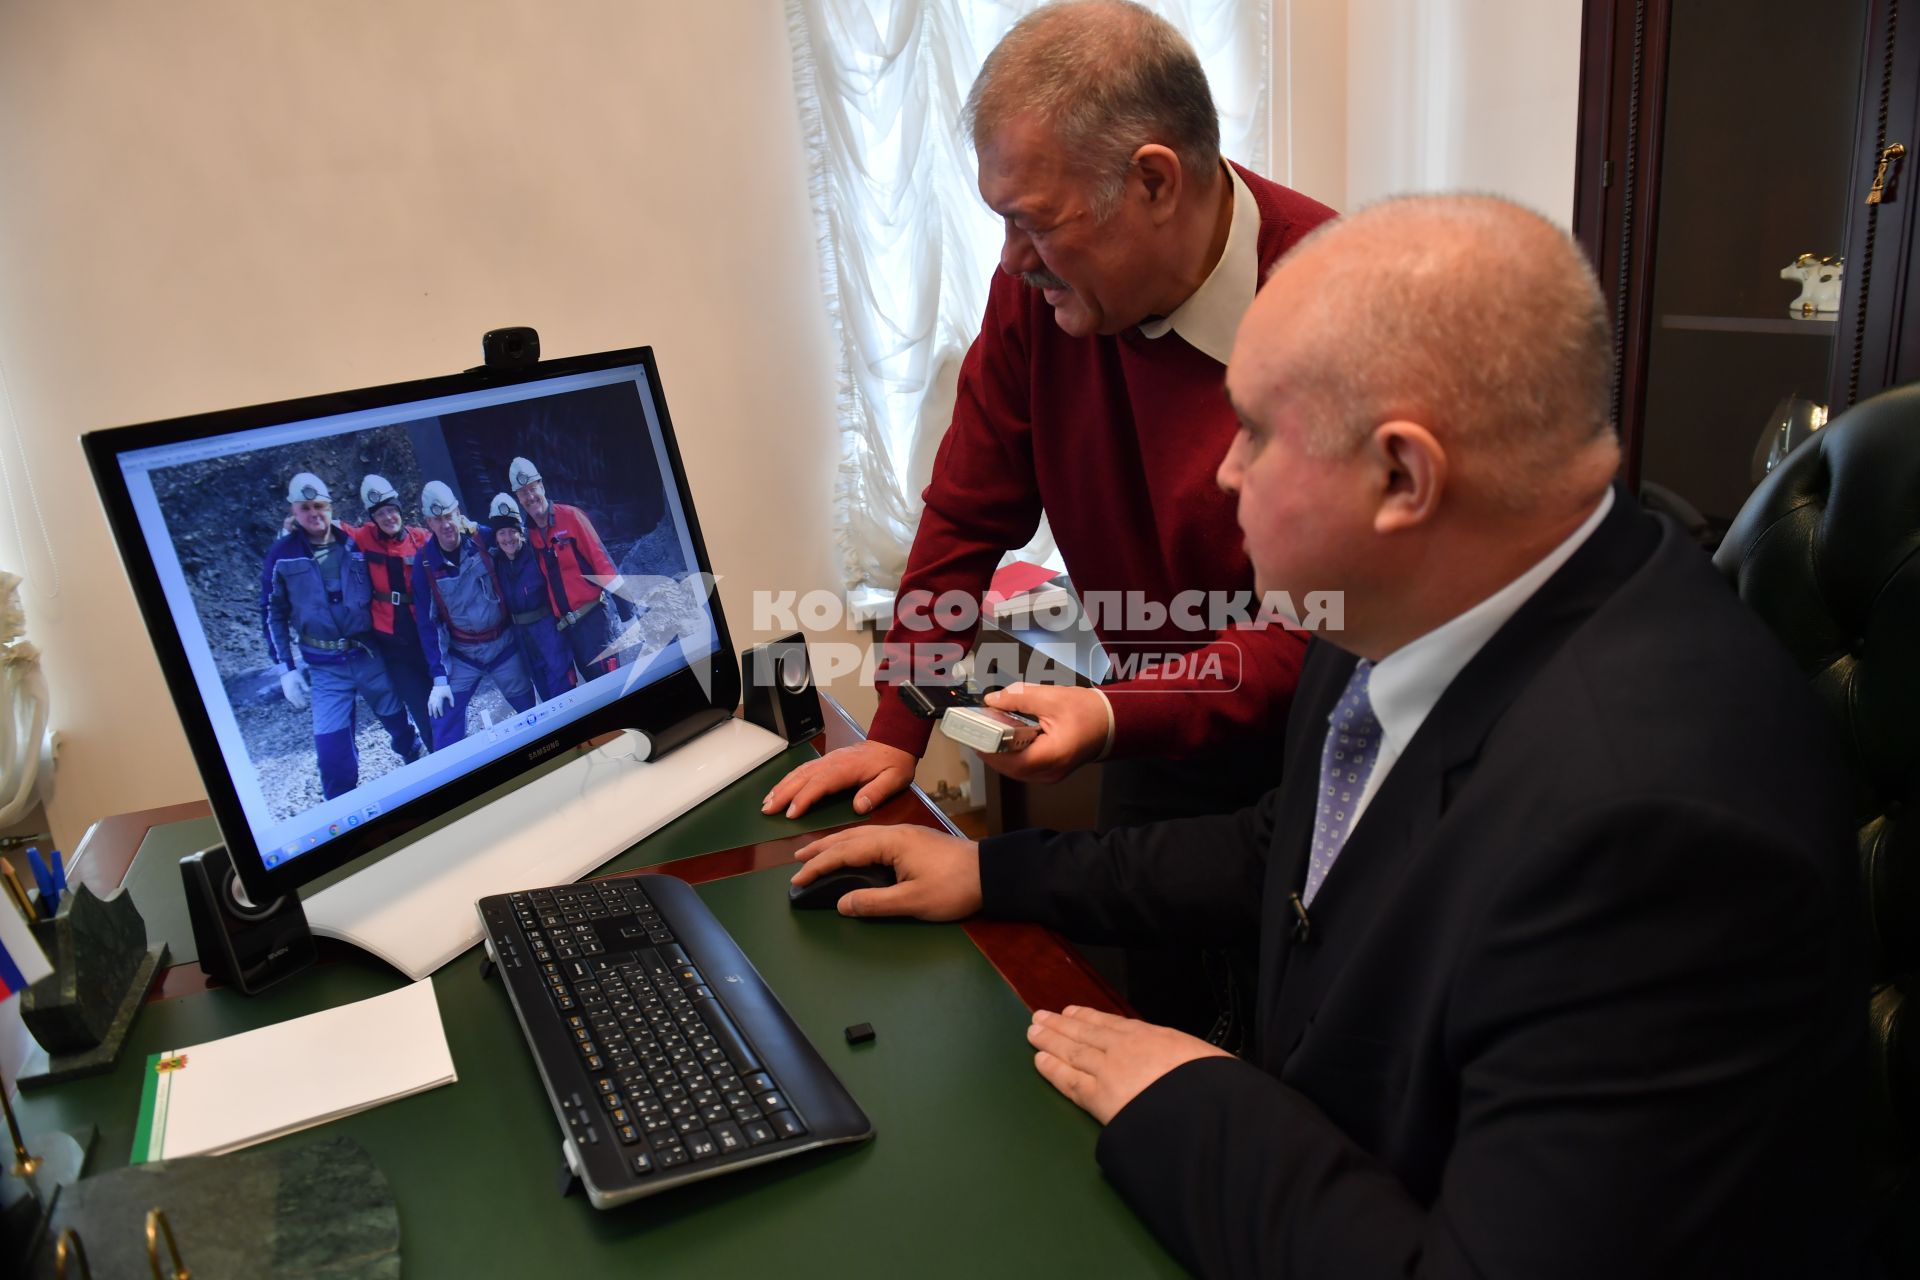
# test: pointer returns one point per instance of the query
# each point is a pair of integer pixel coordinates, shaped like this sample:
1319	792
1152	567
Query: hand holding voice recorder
967	719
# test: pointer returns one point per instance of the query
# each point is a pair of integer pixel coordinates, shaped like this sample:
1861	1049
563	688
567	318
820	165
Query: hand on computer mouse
824	891
938	875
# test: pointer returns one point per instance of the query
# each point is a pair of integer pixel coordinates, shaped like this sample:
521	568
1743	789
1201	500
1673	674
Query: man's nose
1227	474
1017	254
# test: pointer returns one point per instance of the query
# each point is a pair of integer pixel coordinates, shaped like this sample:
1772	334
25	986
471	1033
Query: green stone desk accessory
317	1210
102	966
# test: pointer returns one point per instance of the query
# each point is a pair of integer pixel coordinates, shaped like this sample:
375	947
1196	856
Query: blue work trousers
497	660
332	688
407	672
548	657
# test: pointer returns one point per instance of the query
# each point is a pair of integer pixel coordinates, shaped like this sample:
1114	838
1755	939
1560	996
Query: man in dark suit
1560	973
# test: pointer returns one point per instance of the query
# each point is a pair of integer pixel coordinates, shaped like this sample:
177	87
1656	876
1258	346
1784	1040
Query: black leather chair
1827	550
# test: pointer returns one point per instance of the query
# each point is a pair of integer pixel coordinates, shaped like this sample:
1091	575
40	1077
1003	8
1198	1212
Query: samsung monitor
373	606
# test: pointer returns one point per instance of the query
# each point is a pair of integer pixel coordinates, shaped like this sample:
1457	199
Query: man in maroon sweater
1093	393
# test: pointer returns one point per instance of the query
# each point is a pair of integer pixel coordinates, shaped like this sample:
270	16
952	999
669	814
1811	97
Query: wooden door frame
1616	190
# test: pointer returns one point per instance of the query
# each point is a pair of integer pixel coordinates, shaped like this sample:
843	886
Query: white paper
277	1080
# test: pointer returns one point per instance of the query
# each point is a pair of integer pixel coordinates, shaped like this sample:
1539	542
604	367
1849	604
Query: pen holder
102	967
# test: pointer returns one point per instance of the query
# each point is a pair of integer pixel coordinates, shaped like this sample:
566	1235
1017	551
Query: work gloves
293	684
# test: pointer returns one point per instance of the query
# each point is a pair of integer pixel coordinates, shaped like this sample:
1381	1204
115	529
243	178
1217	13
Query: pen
17	891
43	880
59	874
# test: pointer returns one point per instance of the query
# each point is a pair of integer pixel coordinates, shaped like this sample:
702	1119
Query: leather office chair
1827	550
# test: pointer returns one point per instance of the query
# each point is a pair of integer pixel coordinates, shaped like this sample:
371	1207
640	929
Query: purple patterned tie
1346	761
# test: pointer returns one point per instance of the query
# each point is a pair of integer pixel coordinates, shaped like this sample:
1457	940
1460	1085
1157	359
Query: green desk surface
978	1165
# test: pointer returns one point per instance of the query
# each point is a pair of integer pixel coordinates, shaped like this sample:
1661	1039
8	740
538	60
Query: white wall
209	203
1310	98
1392	96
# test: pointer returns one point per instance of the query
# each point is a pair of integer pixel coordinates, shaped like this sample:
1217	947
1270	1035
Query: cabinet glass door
1760	103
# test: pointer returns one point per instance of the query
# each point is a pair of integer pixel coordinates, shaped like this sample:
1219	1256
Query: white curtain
906	246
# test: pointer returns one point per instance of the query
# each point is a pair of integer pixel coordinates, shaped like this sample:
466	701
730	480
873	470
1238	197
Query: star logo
666	616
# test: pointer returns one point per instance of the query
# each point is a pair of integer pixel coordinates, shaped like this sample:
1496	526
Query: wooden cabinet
1719	141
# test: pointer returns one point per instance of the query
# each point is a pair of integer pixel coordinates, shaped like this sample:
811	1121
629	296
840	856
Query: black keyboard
665	1056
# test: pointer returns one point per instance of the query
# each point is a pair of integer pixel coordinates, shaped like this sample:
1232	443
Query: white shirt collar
1209	319
1407	683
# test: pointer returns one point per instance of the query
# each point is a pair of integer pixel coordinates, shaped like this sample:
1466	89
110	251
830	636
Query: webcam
511	349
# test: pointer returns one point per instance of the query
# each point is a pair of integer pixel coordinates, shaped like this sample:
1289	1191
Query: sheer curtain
23	708
906	246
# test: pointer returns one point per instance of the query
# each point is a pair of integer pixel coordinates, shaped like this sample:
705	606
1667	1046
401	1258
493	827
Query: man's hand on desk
880	771
1103	1062
1074	723
938	874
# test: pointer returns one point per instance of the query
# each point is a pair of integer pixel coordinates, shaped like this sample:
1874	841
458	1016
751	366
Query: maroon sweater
1117	439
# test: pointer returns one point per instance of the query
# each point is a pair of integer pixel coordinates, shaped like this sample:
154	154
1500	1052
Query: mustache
1042	280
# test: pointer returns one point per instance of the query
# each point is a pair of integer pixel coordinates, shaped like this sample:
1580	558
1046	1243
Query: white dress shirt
1209	319
1407	683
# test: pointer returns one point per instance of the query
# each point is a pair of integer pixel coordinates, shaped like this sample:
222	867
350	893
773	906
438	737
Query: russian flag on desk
22	962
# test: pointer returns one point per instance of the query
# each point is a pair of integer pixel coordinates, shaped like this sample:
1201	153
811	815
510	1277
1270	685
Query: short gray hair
1110	77
1469	314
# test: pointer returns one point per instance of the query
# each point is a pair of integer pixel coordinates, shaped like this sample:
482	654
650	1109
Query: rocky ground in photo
280	739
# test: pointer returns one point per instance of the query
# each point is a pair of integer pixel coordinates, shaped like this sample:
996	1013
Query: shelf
1821	326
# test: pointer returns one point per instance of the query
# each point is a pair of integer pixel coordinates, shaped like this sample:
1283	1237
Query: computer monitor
558	590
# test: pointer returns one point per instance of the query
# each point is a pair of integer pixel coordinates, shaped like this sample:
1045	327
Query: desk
978	1164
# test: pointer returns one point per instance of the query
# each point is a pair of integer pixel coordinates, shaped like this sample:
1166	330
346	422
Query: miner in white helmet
390	545
464	627
529	603
316	603
580	574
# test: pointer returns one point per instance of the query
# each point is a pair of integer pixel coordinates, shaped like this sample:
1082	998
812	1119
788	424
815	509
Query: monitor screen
372	606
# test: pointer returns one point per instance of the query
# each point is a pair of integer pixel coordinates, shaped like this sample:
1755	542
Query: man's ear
1413	472
1157	169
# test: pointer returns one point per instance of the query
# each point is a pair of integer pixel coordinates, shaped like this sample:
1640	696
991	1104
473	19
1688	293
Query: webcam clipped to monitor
375	606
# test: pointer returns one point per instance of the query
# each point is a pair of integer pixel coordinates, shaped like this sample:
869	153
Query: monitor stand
414	908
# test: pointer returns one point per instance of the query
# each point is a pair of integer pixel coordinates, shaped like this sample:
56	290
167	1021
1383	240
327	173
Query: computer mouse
836	884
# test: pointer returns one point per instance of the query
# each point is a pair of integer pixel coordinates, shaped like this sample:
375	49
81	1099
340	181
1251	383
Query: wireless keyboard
666	1057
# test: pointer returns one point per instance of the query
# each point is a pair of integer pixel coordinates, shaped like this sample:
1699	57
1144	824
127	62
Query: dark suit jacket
1584	994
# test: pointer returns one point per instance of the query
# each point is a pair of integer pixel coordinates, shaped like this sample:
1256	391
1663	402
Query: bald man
1557	978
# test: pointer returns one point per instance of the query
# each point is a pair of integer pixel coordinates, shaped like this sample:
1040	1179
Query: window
907	247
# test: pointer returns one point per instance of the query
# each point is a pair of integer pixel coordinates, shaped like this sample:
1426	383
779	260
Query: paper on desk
206	1099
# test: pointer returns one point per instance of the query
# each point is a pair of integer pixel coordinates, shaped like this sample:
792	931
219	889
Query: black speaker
780	696
247	947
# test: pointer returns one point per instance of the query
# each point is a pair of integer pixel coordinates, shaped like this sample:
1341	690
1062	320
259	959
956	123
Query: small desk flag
22	962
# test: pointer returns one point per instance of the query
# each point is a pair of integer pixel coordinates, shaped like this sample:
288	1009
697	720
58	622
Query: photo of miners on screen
375	596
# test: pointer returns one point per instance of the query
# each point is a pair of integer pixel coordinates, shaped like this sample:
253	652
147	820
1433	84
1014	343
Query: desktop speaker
780	696
245	946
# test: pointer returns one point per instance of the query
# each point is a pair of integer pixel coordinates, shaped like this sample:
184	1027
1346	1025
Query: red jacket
390	561
569	551
1117	438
